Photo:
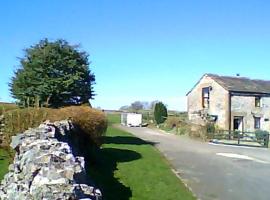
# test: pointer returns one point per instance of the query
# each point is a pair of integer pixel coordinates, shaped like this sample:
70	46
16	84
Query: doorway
238	123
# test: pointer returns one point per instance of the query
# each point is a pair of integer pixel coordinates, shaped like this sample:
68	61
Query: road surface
214	171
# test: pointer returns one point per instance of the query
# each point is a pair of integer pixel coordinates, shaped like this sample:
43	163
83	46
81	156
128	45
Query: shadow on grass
101	164
125	140
103	168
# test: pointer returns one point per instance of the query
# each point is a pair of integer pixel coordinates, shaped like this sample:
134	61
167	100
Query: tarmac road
214	171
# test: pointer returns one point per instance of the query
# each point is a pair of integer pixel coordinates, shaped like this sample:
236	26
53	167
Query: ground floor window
257	122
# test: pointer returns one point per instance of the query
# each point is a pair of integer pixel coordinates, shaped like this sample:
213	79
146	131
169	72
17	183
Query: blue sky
143	49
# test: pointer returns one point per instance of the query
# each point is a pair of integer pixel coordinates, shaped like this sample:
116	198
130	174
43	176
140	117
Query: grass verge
4	162
130	168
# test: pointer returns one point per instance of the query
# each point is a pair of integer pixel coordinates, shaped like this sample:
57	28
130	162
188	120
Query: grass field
6	107
130	168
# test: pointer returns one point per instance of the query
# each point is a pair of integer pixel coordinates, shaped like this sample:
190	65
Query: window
257	101
257	122
205	97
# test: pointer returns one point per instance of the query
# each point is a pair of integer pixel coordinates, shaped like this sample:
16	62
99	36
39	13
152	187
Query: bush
237	133
172	122
182	130
160	113
210	127
92	123
198	131
176	125
261	135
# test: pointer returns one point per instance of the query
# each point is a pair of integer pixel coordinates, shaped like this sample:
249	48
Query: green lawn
130	168
4	162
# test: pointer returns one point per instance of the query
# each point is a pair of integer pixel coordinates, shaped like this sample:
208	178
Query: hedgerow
92	124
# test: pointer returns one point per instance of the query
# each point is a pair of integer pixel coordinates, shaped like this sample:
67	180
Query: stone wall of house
245	106
218	103
46	168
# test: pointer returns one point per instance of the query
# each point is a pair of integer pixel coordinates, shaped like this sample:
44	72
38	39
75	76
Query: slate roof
242	84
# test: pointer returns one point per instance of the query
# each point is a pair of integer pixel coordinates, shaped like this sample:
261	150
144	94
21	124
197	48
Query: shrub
91	123
160	113
261	135
236	133
210	127
176	125
183	129
198	131
172	122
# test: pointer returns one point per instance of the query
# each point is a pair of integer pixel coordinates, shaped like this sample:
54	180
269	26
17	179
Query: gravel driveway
214	171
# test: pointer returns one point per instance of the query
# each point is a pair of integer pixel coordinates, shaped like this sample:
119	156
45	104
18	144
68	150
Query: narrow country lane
214	171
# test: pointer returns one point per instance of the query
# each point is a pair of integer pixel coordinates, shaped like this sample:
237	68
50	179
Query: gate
258	138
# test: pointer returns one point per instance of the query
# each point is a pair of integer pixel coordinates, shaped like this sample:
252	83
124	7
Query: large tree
136	106
53	73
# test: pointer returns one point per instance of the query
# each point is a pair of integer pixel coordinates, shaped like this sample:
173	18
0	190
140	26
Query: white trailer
131	119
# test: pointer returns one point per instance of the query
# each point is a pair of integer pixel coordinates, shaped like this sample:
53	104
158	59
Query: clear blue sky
143	49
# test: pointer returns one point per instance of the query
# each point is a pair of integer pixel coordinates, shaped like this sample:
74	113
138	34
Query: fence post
266	140
238	134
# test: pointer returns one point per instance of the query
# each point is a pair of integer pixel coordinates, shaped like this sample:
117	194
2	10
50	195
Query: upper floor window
205	97
257	101
257	122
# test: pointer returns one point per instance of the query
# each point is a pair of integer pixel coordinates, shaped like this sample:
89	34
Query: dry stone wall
1	126
45	168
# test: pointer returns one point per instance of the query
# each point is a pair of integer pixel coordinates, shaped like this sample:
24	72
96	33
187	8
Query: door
238	123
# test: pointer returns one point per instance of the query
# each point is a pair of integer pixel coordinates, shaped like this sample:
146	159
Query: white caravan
131	119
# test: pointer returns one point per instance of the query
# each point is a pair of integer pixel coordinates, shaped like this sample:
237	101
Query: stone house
232	103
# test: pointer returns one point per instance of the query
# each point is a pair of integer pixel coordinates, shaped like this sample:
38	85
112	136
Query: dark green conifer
160	113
